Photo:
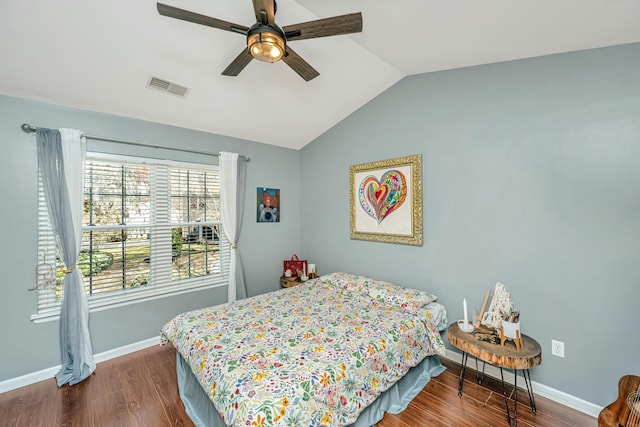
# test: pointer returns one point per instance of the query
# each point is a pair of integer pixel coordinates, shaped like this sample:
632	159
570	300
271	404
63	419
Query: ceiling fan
268	42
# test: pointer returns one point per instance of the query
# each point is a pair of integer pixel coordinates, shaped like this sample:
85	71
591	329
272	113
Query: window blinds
150	229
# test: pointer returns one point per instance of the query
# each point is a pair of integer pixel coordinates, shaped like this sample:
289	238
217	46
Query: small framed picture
268	204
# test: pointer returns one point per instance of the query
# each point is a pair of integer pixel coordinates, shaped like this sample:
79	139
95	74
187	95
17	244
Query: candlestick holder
465	326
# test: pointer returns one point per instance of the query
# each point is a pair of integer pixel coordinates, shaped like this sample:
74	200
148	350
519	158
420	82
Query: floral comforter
312	355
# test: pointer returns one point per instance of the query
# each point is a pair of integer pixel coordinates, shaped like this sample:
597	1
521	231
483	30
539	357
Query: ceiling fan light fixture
266	44
266	41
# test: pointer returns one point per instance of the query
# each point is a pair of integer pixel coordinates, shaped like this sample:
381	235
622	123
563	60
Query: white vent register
167	86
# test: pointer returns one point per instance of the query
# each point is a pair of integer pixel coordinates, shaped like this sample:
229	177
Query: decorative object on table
312	271
464	324
501	302
297	266
478	318
268	204
625	411
510	331
510	327
486	335
386	201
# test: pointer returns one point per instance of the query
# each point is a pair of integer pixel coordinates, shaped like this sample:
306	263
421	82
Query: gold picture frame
386	200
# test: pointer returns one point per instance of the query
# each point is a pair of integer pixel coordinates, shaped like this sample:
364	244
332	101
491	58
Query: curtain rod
30	129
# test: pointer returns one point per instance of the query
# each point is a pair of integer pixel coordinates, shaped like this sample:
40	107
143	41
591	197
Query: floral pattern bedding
312	355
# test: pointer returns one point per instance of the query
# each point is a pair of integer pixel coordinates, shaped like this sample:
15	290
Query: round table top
529	356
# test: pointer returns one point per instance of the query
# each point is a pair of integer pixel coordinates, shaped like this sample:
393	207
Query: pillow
406	298
385	292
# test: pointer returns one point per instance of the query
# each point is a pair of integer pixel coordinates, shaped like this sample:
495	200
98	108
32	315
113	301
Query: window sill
131	296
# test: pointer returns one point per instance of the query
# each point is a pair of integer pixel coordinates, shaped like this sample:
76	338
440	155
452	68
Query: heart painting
380	198
385	199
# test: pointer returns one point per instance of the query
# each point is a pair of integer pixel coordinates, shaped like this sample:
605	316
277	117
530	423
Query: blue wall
531	177
28	347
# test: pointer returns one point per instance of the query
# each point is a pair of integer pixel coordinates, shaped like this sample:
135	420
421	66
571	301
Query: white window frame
46	244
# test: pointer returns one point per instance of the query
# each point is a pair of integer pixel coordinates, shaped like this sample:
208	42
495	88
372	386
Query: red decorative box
294	264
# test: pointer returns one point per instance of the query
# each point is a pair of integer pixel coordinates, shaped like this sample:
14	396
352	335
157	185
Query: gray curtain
61	163
233	182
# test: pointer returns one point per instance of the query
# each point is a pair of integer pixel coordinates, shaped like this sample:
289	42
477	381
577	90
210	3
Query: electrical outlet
557	348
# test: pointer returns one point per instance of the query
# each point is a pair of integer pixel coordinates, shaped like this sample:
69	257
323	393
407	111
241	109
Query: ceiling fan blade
196	18
299	65
238	64
343	24
265	11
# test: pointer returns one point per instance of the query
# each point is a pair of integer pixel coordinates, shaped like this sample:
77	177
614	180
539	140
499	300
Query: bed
339	350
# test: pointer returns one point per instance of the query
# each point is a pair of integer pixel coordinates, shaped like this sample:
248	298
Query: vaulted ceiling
98	55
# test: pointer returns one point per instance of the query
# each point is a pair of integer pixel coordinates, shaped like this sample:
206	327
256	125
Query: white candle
304	269
464	306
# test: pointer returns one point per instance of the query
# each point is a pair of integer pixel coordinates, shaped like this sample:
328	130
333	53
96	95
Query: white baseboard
126	349
539	389
45	374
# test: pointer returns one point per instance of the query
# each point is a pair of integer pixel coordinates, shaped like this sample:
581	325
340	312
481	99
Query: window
150	229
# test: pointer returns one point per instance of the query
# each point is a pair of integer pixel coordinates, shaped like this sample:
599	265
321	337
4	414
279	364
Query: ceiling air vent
168	87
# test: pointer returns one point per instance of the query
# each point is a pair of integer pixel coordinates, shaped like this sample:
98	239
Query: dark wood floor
140	390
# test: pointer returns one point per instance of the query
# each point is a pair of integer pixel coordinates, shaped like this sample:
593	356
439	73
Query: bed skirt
203	414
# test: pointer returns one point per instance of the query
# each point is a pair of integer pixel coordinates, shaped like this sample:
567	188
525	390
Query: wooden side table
287	282
504	357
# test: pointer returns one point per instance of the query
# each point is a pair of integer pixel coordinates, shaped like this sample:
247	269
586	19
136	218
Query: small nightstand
288	282
504	357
